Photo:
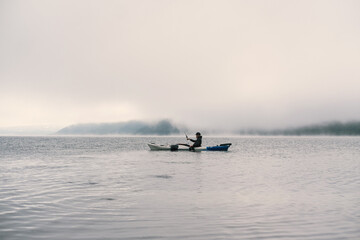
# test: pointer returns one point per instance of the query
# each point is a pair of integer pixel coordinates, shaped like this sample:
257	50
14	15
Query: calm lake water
115	188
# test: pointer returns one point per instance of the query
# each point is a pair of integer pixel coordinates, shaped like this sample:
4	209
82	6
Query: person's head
198	134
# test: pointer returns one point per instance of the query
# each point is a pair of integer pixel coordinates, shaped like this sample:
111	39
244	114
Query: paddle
183	144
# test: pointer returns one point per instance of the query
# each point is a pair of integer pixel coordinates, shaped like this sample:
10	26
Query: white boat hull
158	147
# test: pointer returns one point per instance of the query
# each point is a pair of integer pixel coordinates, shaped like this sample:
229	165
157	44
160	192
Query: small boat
186	147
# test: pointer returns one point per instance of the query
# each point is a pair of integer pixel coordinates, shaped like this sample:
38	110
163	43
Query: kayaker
197	142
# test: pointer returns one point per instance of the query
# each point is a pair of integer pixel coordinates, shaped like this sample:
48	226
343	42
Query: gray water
115	188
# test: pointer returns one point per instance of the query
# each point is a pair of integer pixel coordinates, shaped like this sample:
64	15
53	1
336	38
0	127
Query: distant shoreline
168	128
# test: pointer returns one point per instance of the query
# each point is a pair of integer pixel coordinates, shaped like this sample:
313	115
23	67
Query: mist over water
207	64
115	188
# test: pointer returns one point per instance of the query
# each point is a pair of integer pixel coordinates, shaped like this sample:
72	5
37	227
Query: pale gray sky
206	63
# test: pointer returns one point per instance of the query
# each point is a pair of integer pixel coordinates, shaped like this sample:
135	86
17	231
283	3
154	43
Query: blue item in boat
218	148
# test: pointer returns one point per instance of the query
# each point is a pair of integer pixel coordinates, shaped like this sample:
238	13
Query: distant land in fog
331	128
166	127
163	127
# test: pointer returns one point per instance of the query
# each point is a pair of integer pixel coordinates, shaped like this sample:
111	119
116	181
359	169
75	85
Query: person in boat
197	142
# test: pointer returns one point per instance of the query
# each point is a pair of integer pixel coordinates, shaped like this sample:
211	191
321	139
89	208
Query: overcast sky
228	64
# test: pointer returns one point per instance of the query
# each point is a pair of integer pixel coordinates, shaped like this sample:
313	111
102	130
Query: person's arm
192	140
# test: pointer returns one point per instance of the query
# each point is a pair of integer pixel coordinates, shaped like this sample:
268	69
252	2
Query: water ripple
98	188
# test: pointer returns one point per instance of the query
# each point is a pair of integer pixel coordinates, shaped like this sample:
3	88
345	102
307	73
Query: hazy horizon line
40	130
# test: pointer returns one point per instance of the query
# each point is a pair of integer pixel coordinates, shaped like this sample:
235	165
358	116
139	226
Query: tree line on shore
167	127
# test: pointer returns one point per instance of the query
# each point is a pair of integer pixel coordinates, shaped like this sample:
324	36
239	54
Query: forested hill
166	127
332	128
163	127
